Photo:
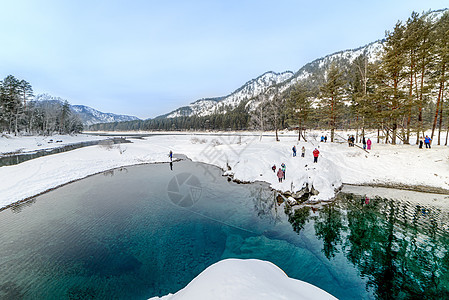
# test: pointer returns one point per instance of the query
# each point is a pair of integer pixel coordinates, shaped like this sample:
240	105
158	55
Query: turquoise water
148	230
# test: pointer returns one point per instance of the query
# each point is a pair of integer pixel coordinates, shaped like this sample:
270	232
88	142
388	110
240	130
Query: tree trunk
440	96
447	133
378	135
437	110
299	130
441	120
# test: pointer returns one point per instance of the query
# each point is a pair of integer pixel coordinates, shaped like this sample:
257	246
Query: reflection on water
402	249
127	234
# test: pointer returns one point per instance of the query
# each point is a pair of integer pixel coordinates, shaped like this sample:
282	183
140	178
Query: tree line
19	113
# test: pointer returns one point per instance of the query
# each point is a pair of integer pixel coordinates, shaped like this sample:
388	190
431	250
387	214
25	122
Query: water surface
148	230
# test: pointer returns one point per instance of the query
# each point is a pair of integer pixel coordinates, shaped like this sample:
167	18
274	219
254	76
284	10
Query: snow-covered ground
248	159
249	279
12	144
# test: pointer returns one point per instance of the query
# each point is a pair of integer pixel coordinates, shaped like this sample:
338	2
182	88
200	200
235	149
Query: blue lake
148	230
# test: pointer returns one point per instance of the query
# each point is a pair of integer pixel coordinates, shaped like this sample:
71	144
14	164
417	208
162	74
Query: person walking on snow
315	155
171	155
368	142
273	168
364	143
294	151
303	151
280	175
427	141
283	169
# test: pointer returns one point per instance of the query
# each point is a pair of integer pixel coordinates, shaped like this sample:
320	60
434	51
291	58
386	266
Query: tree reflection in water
402	249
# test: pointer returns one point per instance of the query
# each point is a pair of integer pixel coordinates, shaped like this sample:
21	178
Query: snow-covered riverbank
246	279
245	157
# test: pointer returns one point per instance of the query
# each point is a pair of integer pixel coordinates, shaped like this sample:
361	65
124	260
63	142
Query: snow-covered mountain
88	115
251	89
91	116
312	73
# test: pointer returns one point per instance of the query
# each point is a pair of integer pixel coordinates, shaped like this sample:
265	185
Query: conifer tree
331	95
298	107
441	42
390	77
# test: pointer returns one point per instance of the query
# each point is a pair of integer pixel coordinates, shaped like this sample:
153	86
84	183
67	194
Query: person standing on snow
315	155
368	142
303	151
283	169
364	143
280	175
171	155
325	138
294	151
427	141
273	168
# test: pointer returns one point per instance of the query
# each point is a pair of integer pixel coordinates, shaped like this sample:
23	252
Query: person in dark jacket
294	151
364	143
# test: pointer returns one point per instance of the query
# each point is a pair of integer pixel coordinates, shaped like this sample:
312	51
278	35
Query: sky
146	58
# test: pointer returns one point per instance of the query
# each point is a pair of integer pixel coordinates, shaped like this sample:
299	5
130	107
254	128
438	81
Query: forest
20	114
400	94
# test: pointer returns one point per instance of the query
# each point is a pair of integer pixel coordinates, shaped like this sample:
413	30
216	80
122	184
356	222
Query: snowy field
245	157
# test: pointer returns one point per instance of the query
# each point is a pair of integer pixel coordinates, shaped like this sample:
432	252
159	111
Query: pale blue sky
146	58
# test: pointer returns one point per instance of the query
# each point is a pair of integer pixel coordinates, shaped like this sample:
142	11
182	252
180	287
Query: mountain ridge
87	114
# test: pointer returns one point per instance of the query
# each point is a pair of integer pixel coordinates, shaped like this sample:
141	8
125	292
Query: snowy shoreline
244	157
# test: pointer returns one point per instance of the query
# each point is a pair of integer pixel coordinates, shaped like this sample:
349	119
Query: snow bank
249	279
10	143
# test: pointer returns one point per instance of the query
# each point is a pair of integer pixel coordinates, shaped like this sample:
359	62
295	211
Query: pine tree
298	106
441	42
331	95
390	77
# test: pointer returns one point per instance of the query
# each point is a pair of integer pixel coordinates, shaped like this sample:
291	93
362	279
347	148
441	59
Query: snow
248	159
11	143
249	279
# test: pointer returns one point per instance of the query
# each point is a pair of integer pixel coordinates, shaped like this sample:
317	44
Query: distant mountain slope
88	115
311	74
91	116
252	88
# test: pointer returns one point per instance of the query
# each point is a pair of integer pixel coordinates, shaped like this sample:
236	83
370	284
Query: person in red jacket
315	155
280	175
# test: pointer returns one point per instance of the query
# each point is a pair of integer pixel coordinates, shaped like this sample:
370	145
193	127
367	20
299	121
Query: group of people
303	151
427	141
365	142
281	172
324	138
